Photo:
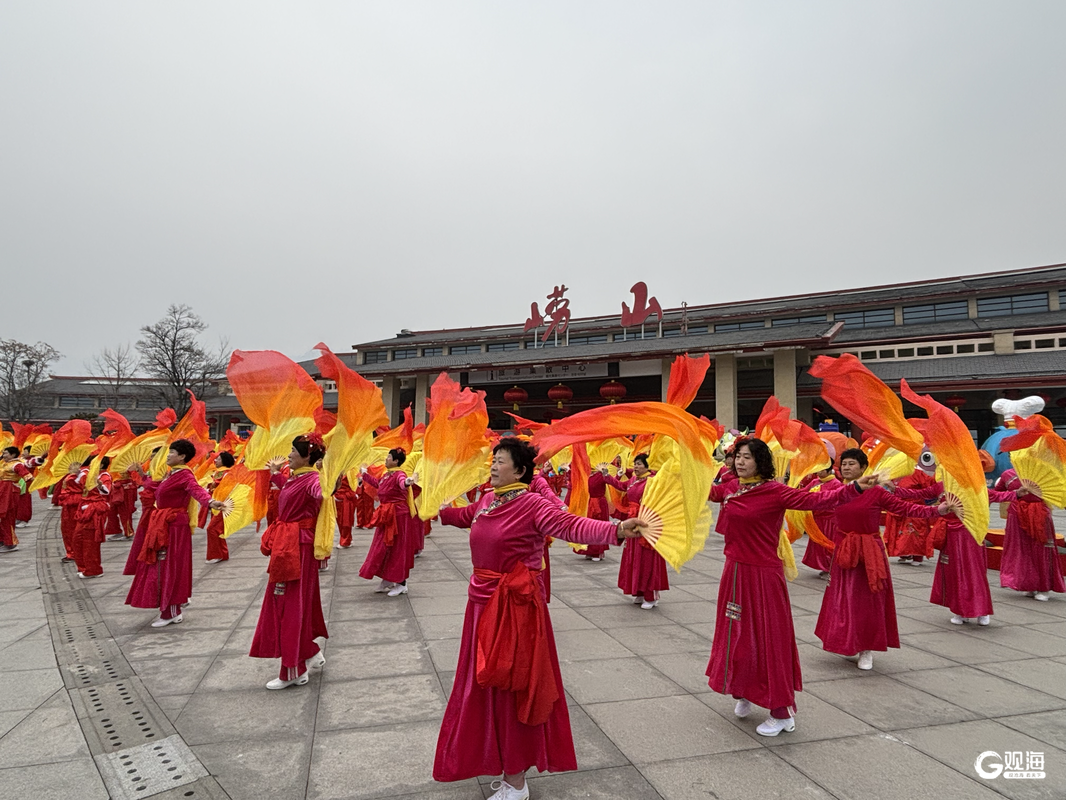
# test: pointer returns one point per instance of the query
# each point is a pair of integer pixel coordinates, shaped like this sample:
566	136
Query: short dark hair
523	456
227	459
398	455
642	458
86	462
184	448
764	461
105	462
855	454
312	452
13	450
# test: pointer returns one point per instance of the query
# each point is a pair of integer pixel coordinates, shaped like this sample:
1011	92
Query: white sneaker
316	661
117	537
984	620
383	587
774	726
743	708
866	659
398	589
596	558
418	554
1030	594
87	577
904	560
162	623
21	524
213	561
646	605
278	683
505	791
1041	596
957	620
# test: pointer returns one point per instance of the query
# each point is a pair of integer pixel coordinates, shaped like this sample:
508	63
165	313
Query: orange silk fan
1038	455
686	377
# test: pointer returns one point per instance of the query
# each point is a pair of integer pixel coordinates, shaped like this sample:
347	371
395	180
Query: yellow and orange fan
193	427
236	492
71	444
663	511
958	464
1038	455
455	448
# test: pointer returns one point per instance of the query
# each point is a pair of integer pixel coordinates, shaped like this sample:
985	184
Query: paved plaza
96	703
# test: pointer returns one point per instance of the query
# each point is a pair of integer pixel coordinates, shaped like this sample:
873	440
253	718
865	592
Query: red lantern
212	420
955	401
560	393
234	420
613	391
1012	394
1061	402
516	395
1045	397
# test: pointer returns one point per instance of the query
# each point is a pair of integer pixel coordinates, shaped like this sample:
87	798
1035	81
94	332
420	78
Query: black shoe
67	560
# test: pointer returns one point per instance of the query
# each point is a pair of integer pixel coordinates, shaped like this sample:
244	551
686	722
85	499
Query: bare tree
114	368
23	367
172	354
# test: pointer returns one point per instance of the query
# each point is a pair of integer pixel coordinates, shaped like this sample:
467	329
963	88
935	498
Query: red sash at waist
92	512
385	518
1032	516
281	541
512	643
157	537
863	548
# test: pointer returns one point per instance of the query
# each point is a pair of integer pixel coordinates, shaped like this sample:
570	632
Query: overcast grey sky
311	171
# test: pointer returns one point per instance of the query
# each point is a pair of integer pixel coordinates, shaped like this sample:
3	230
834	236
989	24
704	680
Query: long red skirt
167	583
598	509
853	618
25	508
216	545
481	734
642	569
961	578
1029	565
908	536
290	622
66	527
138	540
389	562
817	557
754	653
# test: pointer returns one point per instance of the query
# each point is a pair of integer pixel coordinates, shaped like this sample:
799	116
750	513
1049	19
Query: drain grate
56	576
71	603
93	673
119	715
78	634
203	789
149	769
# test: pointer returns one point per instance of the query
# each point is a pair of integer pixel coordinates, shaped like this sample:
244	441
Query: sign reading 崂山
556	317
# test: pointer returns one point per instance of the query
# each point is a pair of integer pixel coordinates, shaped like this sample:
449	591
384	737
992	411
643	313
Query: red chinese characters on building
557	311
643	307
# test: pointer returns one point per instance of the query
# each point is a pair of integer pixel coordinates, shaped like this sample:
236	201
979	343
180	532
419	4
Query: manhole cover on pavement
150	769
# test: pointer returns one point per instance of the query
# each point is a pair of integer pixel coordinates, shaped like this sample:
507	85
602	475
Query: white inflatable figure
1023	408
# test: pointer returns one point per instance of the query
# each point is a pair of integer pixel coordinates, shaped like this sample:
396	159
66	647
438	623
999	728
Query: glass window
739	326
869	318
986	347
538	343
600	338
1025	344
925	351
429	352
781	323
68	402
1013	304
463	349
886	354
499	347
1043	344
905	352
945	350
964	348
867	355
411	352
375	356
935	312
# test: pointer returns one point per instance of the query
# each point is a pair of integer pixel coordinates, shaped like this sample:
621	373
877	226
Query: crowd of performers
507	712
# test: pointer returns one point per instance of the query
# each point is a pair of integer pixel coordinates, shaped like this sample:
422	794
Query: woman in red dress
344	497
1030	557
291	616
753	655
598	509
390	557
642	572
507	711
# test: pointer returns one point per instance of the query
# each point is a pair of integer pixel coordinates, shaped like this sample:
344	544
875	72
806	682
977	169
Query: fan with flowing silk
1038	455
401	437
958	464
236	492
663	511
281	399
360	410
70	445
694	472
115	436
455	446
850	387
686	377
193	427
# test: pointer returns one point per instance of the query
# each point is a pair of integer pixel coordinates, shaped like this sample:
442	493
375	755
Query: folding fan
663	511
1041	466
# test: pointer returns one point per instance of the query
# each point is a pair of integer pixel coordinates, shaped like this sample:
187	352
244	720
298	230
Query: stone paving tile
856	769
61	781
620	783
624	614
445	626
1037	673
581	645
816	719
252	769
886	703
660	639
375	631
615	679
380	701
34	687
219	717
164	676
959	744
962	648
376	661
1047	726
981	692
1022	638
31	652
50	733
444	653
723	776
685	669
665	728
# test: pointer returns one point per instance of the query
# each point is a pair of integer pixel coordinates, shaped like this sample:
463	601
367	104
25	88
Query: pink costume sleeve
1008	497
897	505
195	490
369	480
720	491
617	484
803	500
931	492
459	517
279	479
551	520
